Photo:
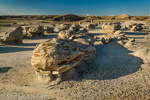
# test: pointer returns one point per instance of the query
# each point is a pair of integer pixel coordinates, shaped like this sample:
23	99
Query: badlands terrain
120	70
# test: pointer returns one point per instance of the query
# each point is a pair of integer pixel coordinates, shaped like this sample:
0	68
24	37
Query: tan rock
14	36
65	34
36	31
119	33
112	28
103	38
63	27
60	55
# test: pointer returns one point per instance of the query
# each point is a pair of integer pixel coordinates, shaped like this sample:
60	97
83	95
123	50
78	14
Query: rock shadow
136	33
47	36
111	61
4	49
4	69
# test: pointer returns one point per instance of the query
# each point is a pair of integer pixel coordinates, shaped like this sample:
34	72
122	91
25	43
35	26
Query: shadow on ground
111	61
48	36
4	69
4	49
136	33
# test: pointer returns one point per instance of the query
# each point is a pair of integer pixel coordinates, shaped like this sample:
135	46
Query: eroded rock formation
55	56
36	31
13	37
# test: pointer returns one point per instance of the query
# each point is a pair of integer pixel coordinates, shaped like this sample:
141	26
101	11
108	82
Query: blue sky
77	7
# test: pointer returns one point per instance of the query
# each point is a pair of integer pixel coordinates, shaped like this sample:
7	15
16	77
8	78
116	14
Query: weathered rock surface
56	56
13	37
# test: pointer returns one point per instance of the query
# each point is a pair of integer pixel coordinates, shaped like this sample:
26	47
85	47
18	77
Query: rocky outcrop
13	37
55	56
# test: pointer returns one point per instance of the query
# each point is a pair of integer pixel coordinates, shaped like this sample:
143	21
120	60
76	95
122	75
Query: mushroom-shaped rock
14	36
59	55
36	31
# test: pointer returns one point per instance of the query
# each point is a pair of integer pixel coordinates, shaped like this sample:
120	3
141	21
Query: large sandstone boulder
36	31
13	37
55	56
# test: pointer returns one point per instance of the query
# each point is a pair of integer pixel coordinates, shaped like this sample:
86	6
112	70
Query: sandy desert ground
119	71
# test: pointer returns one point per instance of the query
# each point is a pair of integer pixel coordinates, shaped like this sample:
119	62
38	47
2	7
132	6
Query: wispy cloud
4	10
0	10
